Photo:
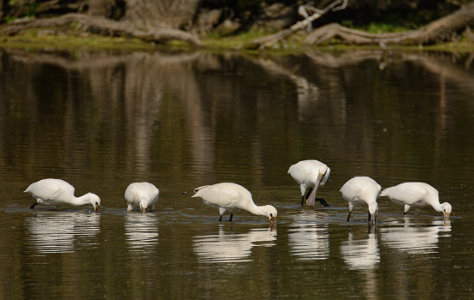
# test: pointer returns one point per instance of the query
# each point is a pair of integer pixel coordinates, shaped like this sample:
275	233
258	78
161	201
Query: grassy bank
45	40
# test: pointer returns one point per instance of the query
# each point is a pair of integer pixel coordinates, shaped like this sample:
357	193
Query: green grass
40	39
48	39
384	28
216	41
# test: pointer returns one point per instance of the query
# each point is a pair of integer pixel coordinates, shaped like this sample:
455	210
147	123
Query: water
181	120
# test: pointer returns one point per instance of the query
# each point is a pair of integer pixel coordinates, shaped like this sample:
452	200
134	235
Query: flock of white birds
226	196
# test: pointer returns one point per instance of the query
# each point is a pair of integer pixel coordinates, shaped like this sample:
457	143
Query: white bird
52	191
362	189
231	196
417	194
310	174
142	195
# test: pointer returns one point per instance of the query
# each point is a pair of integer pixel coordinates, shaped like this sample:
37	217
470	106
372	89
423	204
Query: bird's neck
84	199
436	205
256	210
439	207
373	207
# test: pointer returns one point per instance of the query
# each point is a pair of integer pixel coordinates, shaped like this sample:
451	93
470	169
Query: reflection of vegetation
185	119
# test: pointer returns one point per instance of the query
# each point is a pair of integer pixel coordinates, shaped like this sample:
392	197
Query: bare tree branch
102	26
270	40
439	30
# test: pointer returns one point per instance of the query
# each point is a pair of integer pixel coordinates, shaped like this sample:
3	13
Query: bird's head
447	208
95	201
271	213
143	205
373	209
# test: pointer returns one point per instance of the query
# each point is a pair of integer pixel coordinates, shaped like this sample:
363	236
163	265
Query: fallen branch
101	26
270	40
437	31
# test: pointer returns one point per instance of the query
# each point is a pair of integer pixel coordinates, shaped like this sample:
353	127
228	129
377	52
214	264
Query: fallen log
270	40
441	30
100	25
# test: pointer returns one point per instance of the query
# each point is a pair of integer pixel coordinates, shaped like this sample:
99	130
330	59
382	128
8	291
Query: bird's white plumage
416	194
309	174
51	191
232	196
142	195
361	189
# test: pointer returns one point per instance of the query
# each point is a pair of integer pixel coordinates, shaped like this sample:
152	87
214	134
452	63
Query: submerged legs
230	218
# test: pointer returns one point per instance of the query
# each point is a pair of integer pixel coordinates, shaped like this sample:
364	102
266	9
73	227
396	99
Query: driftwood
440	30
100	25
270	40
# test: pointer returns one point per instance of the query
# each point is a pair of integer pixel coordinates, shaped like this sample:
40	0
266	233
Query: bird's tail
27	189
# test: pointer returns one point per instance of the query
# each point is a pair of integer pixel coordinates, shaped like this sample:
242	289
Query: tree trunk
440	30
149	20
102	26
160	13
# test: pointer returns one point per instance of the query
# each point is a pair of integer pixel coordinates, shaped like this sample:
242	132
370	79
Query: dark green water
102	120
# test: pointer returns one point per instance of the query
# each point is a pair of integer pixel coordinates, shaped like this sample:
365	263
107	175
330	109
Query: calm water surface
103	120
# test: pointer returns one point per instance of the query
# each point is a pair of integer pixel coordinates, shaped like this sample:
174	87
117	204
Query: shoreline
88	42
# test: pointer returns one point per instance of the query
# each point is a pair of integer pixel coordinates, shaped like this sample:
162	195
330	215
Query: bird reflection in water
232	247
141	232
363	255
416	238
308	236
56	232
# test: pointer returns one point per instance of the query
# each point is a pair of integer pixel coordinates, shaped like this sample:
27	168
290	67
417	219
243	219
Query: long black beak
372	218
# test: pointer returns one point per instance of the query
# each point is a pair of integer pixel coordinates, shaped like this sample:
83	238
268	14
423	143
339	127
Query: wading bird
310	174
57	192
231	196
417	194
142	195
362	189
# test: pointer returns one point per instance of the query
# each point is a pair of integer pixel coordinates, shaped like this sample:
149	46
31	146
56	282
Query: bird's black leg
349	216
305	197
231	215
369	217
220	218
323	202
33	205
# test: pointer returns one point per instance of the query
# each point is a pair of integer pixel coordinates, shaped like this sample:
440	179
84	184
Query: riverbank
45	40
